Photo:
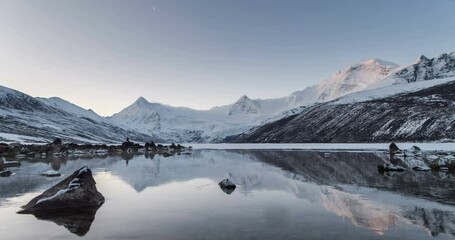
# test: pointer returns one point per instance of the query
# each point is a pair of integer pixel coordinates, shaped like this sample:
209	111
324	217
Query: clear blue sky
105	54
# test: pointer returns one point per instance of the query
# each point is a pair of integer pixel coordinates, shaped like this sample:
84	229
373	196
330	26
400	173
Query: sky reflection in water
280	195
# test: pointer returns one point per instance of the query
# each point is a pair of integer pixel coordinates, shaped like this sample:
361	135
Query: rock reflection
77	221
228	191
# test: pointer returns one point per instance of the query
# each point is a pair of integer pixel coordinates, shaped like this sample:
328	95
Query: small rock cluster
58	148
417	160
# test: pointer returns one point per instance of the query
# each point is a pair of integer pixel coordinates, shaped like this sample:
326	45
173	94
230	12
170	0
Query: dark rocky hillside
425	115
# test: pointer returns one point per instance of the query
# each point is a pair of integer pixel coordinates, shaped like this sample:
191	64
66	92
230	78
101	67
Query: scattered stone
443	162
5	173
74	192
415	149
9	164
421	169
51	173
59	149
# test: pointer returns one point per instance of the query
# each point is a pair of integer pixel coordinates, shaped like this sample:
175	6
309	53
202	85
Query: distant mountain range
24	118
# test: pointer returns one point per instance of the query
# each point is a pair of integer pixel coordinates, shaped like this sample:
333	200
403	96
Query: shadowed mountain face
403	117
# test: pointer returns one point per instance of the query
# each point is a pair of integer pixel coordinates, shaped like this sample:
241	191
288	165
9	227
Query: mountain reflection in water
280	195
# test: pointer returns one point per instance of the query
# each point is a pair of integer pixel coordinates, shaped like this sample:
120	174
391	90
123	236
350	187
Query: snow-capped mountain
353	79
179	124
244	106
427	69
423	69
188	125
27	119
144	119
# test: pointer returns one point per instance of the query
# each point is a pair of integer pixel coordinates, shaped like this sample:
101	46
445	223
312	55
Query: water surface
280	195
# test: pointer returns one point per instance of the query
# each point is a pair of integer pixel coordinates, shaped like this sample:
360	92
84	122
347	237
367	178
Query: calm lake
280	194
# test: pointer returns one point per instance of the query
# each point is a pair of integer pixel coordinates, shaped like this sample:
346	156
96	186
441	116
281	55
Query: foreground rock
77	191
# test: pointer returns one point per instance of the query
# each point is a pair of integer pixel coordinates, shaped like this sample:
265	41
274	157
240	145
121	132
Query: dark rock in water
414	149
5	173
74	192
127	145
227	186
51	173
393	148
9	164
226	183
77	221
387	167
152	145
3	148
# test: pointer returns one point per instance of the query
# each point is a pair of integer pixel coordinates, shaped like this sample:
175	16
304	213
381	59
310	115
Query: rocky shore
11	154
418	160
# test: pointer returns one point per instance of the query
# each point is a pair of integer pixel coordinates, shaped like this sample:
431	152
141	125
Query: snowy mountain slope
244	106
423	115
177	124
188	125
353	79
15	100
68	107
24	118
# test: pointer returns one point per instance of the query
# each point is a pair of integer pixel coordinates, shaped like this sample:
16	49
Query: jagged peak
243	98
422	58
141	99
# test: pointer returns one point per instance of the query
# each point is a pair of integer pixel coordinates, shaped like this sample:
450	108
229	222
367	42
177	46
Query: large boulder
75	192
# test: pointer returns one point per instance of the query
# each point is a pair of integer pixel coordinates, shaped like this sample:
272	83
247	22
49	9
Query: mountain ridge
151	120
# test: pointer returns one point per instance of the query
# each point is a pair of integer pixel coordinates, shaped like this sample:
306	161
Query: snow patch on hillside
391	90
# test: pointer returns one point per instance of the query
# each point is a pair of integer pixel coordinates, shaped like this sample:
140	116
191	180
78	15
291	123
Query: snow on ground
10	138
323	146
390	90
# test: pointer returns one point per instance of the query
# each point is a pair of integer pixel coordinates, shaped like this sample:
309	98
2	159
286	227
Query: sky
104	54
